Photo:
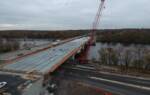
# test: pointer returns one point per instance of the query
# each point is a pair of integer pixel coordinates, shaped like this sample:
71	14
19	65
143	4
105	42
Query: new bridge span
47	60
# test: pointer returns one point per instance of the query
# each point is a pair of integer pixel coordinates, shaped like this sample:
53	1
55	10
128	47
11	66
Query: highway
13	81
27	74
21	53
113	83
53	61
47	60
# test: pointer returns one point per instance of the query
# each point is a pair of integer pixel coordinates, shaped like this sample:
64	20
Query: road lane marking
121	83
85	67
108	73
128	76
75	68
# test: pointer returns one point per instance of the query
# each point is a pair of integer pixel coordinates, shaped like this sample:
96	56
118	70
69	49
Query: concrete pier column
72	57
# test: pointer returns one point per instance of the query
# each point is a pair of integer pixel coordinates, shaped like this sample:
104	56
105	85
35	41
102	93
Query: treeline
41	34
137	36
137	58
127	36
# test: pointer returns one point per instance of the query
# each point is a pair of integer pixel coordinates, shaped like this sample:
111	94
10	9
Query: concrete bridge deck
48	60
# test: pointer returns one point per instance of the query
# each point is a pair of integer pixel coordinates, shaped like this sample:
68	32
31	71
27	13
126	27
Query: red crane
96	22
83	57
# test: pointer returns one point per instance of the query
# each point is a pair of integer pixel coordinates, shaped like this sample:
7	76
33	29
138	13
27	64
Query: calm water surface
94	51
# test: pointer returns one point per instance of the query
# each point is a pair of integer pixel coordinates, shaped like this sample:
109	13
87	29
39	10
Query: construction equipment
83	57
96	23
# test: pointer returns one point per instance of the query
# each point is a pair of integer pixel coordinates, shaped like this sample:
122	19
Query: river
94	50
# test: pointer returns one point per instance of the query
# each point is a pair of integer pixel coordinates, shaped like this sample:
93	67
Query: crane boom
96	21
83	57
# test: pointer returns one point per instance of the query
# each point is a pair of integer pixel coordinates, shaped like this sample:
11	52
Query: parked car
2	84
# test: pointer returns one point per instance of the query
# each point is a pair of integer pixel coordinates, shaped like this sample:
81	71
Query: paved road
130	80
48	60
12	83
126	85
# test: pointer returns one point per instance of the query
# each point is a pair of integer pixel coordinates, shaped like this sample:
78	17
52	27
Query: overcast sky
73	14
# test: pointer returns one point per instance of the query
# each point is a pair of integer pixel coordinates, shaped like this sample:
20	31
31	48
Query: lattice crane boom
83	57
96	21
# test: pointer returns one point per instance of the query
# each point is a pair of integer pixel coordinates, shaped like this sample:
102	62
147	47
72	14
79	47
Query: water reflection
94	51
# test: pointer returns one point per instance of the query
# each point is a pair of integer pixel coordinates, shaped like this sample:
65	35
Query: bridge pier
81	56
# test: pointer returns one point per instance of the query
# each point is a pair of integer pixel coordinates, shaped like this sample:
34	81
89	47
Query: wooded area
124	36
137	36
40	34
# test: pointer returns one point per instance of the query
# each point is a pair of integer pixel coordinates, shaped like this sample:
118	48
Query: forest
124	36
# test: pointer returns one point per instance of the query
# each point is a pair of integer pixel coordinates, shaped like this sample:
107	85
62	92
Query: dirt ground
68	87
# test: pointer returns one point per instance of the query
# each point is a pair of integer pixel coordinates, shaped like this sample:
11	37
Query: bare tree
139	58
103	56
127	58
147	61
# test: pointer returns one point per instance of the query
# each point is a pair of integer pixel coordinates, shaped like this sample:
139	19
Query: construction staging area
33	71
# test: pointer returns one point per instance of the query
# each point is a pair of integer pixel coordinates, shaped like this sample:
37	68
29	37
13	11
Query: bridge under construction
30	73
47	60
36	67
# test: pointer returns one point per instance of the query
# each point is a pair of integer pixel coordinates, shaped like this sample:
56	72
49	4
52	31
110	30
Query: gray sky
73	14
